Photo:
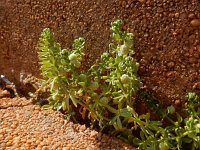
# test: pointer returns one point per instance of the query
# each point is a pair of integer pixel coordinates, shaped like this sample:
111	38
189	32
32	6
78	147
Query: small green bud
125	79
170	109
198	126
82	77
94	95
196	120
130	36
116	37
104	77
64	52
129	40
123	50
72	57
80	92
192	97
104	100
94	86
163	146
76	63
104	55
117	25
56	97
110	64
137	64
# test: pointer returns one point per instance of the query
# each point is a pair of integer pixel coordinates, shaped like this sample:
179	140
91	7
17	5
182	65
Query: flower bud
125	79
163	146
76	63
72	57
123	50
94	86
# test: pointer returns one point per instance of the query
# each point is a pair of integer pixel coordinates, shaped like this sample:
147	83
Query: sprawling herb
105	93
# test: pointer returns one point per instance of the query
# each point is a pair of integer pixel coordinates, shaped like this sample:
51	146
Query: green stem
170	120
120	81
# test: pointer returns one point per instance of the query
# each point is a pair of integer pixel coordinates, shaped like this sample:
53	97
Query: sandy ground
24	126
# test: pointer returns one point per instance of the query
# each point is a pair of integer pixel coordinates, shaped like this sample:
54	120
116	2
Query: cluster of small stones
24	126
4	93
167	37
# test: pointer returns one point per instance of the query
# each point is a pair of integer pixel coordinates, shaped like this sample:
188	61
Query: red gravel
26	126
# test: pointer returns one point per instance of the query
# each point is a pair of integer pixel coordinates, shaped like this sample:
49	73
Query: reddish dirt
27	126
167	34
24	125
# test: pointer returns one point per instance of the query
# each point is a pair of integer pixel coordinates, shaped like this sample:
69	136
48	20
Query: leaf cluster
105	93
180	133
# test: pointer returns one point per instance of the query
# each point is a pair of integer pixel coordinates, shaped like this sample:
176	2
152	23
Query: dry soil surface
26	126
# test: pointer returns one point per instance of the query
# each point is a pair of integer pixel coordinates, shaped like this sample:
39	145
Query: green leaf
170	109
104	100
130	120
82	84
155	125
115	126
142	136
113	120
72	97
119	123
115	94
136	141
125	113
186	140
54	84
64	105
58	106
111	109
180	119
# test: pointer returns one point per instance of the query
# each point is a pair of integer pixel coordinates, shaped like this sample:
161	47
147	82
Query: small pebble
82	128
176	15
177	102
195	23
191	16
196	85
5	93
193	60
171	64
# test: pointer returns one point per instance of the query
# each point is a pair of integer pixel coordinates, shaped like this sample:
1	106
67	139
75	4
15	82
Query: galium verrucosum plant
104	92
116	71
180	133
60	70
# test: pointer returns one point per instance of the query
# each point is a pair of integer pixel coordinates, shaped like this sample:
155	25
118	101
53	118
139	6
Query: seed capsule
76	63
124	50
125	79
72	57
163	146
104	100
94	86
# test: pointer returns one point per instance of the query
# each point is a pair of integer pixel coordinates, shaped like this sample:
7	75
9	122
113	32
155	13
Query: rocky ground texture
24	126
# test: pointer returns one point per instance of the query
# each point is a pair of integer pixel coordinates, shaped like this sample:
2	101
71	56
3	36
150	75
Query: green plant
104	94
180	133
